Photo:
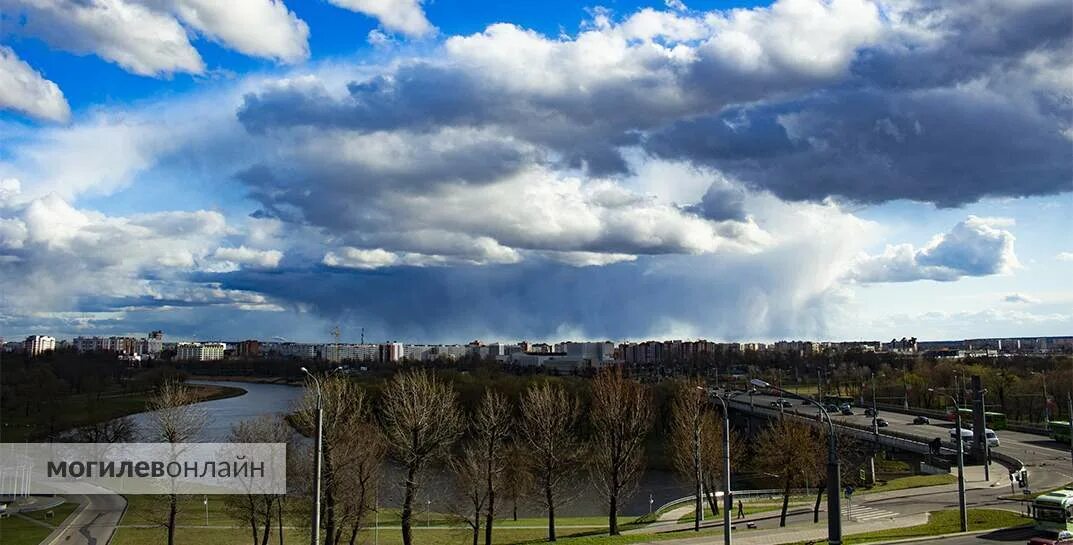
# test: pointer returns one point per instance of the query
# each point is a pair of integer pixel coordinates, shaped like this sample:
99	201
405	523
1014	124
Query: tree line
542	444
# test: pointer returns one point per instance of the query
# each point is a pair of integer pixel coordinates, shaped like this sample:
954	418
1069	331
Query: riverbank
81	410
251	380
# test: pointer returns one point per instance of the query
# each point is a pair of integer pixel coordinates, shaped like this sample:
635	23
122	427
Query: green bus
1053	511
995	421
1059	431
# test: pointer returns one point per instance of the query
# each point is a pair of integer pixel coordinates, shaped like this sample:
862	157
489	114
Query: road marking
863	514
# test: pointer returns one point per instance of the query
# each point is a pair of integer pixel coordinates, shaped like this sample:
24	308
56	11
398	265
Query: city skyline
437	172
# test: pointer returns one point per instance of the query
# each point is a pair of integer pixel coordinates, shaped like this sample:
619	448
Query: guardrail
739	494
1012	425
889	439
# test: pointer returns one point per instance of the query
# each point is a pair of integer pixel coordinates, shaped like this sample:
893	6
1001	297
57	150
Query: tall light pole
985	440
834	469
961	458
317	451
728	500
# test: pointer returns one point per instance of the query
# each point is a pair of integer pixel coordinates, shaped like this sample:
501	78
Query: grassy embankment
437	529
943	522
900	483
82	410
16	530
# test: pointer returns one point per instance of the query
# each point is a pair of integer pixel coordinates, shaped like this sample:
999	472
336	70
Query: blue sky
443	171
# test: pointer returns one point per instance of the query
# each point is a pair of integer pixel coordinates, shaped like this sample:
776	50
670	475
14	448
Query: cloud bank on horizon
662	172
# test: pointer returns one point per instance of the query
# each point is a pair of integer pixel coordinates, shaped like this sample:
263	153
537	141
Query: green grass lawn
18	531
944	522
431	528
751	508
916	481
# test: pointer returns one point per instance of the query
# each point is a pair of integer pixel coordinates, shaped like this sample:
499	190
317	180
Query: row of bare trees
539	444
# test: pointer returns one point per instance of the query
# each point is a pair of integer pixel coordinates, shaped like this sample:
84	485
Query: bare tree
787	450
117	430
352	451
711	458
688	411
421	422
621	417
549	425
518	476
468	470
173	419
492	427
258	510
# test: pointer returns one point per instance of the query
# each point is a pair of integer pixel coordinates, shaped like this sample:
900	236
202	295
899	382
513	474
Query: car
966	436
775	404
920	420
785	403
831	408
846	411
881	423
870	412
1063	538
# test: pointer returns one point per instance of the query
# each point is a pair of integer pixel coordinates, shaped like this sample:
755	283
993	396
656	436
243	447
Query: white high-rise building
35	345
200	351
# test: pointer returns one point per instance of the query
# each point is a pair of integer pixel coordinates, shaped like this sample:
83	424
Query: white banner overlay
143	468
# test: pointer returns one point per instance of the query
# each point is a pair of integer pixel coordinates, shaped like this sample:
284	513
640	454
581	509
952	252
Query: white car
966	436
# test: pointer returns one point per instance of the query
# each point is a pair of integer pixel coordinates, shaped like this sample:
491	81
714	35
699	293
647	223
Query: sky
443	171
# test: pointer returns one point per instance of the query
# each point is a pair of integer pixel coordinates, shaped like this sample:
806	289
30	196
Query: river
273	399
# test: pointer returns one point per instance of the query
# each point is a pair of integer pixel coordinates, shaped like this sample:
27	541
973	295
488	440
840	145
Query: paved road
1048	463
1014	535
93	523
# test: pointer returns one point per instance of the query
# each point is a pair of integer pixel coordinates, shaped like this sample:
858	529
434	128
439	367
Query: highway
1048	462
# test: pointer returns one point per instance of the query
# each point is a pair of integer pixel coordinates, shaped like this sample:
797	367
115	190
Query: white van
966	436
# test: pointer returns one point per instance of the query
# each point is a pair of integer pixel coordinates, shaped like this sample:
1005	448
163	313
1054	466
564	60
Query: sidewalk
801	532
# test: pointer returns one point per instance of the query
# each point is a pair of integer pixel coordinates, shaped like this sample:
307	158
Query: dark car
846	411
881	423
921	420
869	412
785	403
831	408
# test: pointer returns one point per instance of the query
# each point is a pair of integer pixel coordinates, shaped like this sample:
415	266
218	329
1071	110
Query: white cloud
1020	298
139	39
264	259
974	247
590	259
146	37
405	16
1064	256
24	90
259	28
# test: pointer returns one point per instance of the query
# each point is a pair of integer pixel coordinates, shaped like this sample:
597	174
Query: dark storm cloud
956	102
757	297
946	146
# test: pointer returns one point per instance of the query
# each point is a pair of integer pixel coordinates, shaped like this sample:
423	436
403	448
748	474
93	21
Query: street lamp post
961	459
834	469
317	452
728	500
985	440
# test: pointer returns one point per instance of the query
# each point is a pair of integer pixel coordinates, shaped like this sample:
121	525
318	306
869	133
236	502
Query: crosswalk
861	513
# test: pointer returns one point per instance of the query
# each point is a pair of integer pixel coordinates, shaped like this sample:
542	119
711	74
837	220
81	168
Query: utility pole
834	468
317	452
961	461
1069	399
